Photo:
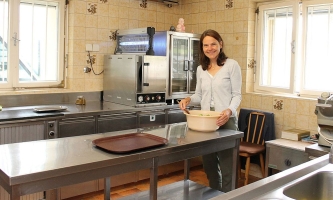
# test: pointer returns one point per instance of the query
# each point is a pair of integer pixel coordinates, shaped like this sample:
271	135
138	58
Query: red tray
129	142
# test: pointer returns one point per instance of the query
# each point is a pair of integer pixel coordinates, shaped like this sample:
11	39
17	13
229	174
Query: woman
218	88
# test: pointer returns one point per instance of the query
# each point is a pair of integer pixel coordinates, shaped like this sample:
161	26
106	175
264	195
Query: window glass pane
318	63
3	40
39	42
276	48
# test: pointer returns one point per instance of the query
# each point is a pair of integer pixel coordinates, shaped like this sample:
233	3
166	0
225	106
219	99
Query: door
179	64
193	63
117	122
69	127
151	118
153	74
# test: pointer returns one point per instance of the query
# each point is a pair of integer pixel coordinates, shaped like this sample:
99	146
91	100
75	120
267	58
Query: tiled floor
196	174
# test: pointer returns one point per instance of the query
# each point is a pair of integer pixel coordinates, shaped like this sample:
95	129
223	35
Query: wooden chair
252	144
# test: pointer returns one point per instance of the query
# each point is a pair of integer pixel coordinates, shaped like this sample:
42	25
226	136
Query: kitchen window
32	41
294	47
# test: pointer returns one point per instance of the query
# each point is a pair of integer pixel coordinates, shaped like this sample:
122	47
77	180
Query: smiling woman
32	51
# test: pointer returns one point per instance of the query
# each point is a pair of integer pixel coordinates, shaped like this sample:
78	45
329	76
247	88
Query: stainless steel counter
73	110
273	187
30	167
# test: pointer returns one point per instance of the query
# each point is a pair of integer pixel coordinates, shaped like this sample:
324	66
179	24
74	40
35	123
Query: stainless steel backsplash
46	99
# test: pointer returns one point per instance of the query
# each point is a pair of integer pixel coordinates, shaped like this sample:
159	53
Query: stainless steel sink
317	186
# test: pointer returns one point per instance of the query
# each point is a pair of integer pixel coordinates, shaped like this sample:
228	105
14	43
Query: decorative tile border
229	4
92	8
143	4
251	64
92	59
113	35
278	104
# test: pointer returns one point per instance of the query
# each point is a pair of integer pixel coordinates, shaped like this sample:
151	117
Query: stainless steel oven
135	80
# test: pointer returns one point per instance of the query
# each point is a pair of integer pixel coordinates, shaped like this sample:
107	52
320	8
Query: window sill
35	91
294	96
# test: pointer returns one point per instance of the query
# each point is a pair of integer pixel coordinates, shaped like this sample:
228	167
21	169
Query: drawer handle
287	162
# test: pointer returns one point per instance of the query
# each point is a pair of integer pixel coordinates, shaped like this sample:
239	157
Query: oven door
153	74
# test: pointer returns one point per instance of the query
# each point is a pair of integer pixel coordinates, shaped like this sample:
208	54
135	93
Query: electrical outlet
95	47
89	47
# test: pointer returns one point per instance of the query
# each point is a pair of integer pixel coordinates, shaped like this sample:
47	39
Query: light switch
95	47
89	47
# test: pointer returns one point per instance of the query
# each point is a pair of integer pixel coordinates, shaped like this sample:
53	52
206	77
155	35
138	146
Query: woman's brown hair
204	60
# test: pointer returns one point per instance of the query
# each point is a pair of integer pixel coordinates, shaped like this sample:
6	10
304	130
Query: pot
202	120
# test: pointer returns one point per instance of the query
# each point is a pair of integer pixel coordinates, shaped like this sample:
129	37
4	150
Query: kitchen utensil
202	120
188	112
129	142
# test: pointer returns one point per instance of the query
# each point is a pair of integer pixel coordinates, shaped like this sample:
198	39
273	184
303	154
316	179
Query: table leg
235	155
107	185
187	169
186	192
153	180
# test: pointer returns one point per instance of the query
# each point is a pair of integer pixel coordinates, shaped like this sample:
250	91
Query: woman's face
211	47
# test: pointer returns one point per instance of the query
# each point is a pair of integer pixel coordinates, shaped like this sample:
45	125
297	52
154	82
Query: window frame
259	49
305	4
13	51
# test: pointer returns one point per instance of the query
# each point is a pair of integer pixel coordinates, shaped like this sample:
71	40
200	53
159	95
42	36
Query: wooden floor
196	174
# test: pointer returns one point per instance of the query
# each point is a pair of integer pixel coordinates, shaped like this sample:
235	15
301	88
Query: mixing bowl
202	120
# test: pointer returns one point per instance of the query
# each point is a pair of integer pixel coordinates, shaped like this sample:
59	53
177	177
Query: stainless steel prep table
36	166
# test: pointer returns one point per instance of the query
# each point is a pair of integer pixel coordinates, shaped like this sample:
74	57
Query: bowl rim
214	116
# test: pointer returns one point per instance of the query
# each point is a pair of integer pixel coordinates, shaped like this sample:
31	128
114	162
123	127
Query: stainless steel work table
46	165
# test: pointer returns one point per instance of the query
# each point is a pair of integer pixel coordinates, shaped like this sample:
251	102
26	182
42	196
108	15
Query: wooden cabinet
282	154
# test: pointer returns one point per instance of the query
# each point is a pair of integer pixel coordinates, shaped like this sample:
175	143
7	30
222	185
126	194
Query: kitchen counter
73	110
36	166
273	186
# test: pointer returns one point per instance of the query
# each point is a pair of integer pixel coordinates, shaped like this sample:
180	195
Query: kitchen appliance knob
287	162
158	97
147	98
140	98
51	133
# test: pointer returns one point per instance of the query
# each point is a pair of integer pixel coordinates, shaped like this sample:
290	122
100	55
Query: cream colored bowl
202	120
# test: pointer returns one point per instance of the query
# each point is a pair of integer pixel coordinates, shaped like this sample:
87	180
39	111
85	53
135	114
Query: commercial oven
135	80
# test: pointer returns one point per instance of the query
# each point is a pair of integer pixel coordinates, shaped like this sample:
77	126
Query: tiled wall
93	21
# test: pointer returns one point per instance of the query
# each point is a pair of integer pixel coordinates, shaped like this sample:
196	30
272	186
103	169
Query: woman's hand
184	102
224	117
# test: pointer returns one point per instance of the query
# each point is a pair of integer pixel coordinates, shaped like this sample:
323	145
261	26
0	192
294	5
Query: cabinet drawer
281	158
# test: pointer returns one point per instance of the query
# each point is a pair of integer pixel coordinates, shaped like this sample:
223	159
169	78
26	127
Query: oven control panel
150	98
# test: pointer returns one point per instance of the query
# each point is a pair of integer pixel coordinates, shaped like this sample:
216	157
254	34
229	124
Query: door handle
144	75
186	65
15	38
